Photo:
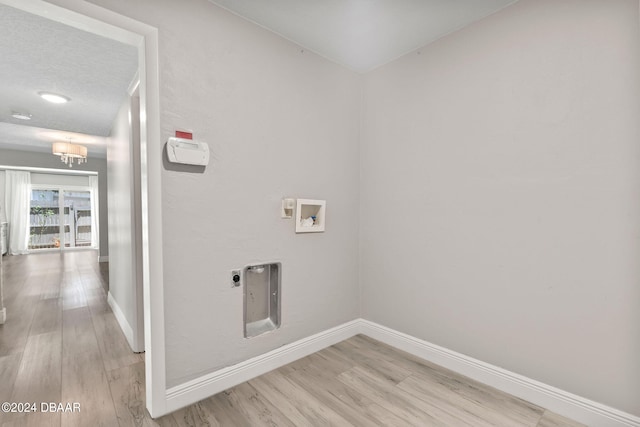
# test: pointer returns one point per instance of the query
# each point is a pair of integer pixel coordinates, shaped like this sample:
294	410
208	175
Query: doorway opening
99	21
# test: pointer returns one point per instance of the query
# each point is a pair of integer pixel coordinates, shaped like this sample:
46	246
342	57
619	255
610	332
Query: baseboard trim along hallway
122	320
564	403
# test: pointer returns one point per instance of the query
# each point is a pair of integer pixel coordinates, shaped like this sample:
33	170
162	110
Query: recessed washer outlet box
310	216
261	298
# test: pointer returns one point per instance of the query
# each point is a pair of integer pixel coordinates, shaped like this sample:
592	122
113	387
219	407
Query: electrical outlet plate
236	278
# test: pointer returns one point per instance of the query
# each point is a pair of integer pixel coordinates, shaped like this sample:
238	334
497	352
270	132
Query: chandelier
69	152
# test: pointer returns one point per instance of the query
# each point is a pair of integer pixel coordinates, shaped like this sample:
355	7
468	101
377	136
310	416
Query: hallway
62	344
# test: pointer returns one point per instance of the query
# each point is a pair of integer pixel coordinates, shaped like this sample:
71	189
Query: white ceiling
43	55
29	138
363	34
38	54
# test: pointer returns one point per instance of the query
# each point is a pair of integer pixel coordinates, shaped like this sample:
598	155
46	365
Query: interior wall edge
127	330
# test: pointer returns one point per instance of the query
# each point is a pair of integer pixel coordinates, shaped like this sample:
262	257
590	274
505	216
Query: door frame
103	22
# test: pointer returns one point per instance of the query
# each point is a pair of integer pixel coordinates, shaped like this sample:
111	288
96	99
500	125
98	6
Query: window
60	218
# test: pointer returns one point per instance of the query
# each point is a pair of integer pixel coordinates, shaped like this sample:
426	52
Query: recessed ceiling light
54	97
21	116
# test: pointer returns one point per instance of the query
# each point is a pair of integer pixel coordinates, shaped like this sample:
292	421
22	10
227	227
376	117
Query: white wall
123	285
136	218
45	160
500	207
280	122
57	179
3	212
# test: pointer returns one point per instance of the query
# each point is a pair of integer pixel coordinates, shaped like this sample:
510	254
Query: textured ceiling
363	34
43	55
38	54
29	138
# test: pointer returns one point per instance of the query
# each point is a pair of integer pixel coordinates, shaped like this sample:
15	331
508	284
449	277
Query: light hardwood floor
61	343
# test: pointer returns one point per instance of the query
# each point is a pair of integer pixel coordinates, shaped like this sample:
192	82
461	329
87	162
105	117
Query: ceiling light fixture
20	116
54	97
69	152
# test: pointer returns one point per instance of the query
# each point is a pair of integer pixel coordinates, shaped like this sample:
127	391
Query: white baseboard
122	320
103	258
218	381
559	401
564	403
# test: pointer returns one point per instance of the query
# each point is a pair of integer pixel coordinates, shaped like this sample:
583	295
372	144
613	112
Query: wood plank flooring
61	343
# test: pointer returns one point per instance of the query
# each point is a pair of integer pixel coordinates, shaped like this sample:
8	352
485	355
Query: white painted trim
215	382
135	214
135	83
60	187
564	403
122	320
103	258
86	18
151	207
50	171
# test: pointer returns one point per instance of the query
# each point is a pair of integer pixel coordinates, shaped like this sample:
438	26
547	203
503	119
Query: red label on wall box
184	135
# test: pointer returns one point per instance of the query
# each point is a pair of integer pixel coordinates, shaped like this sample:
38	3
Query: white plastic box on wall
310	215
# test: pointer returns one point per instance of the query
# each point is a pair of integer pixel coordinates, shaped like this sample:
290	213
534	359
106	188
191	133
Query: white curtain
95	212
17	199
